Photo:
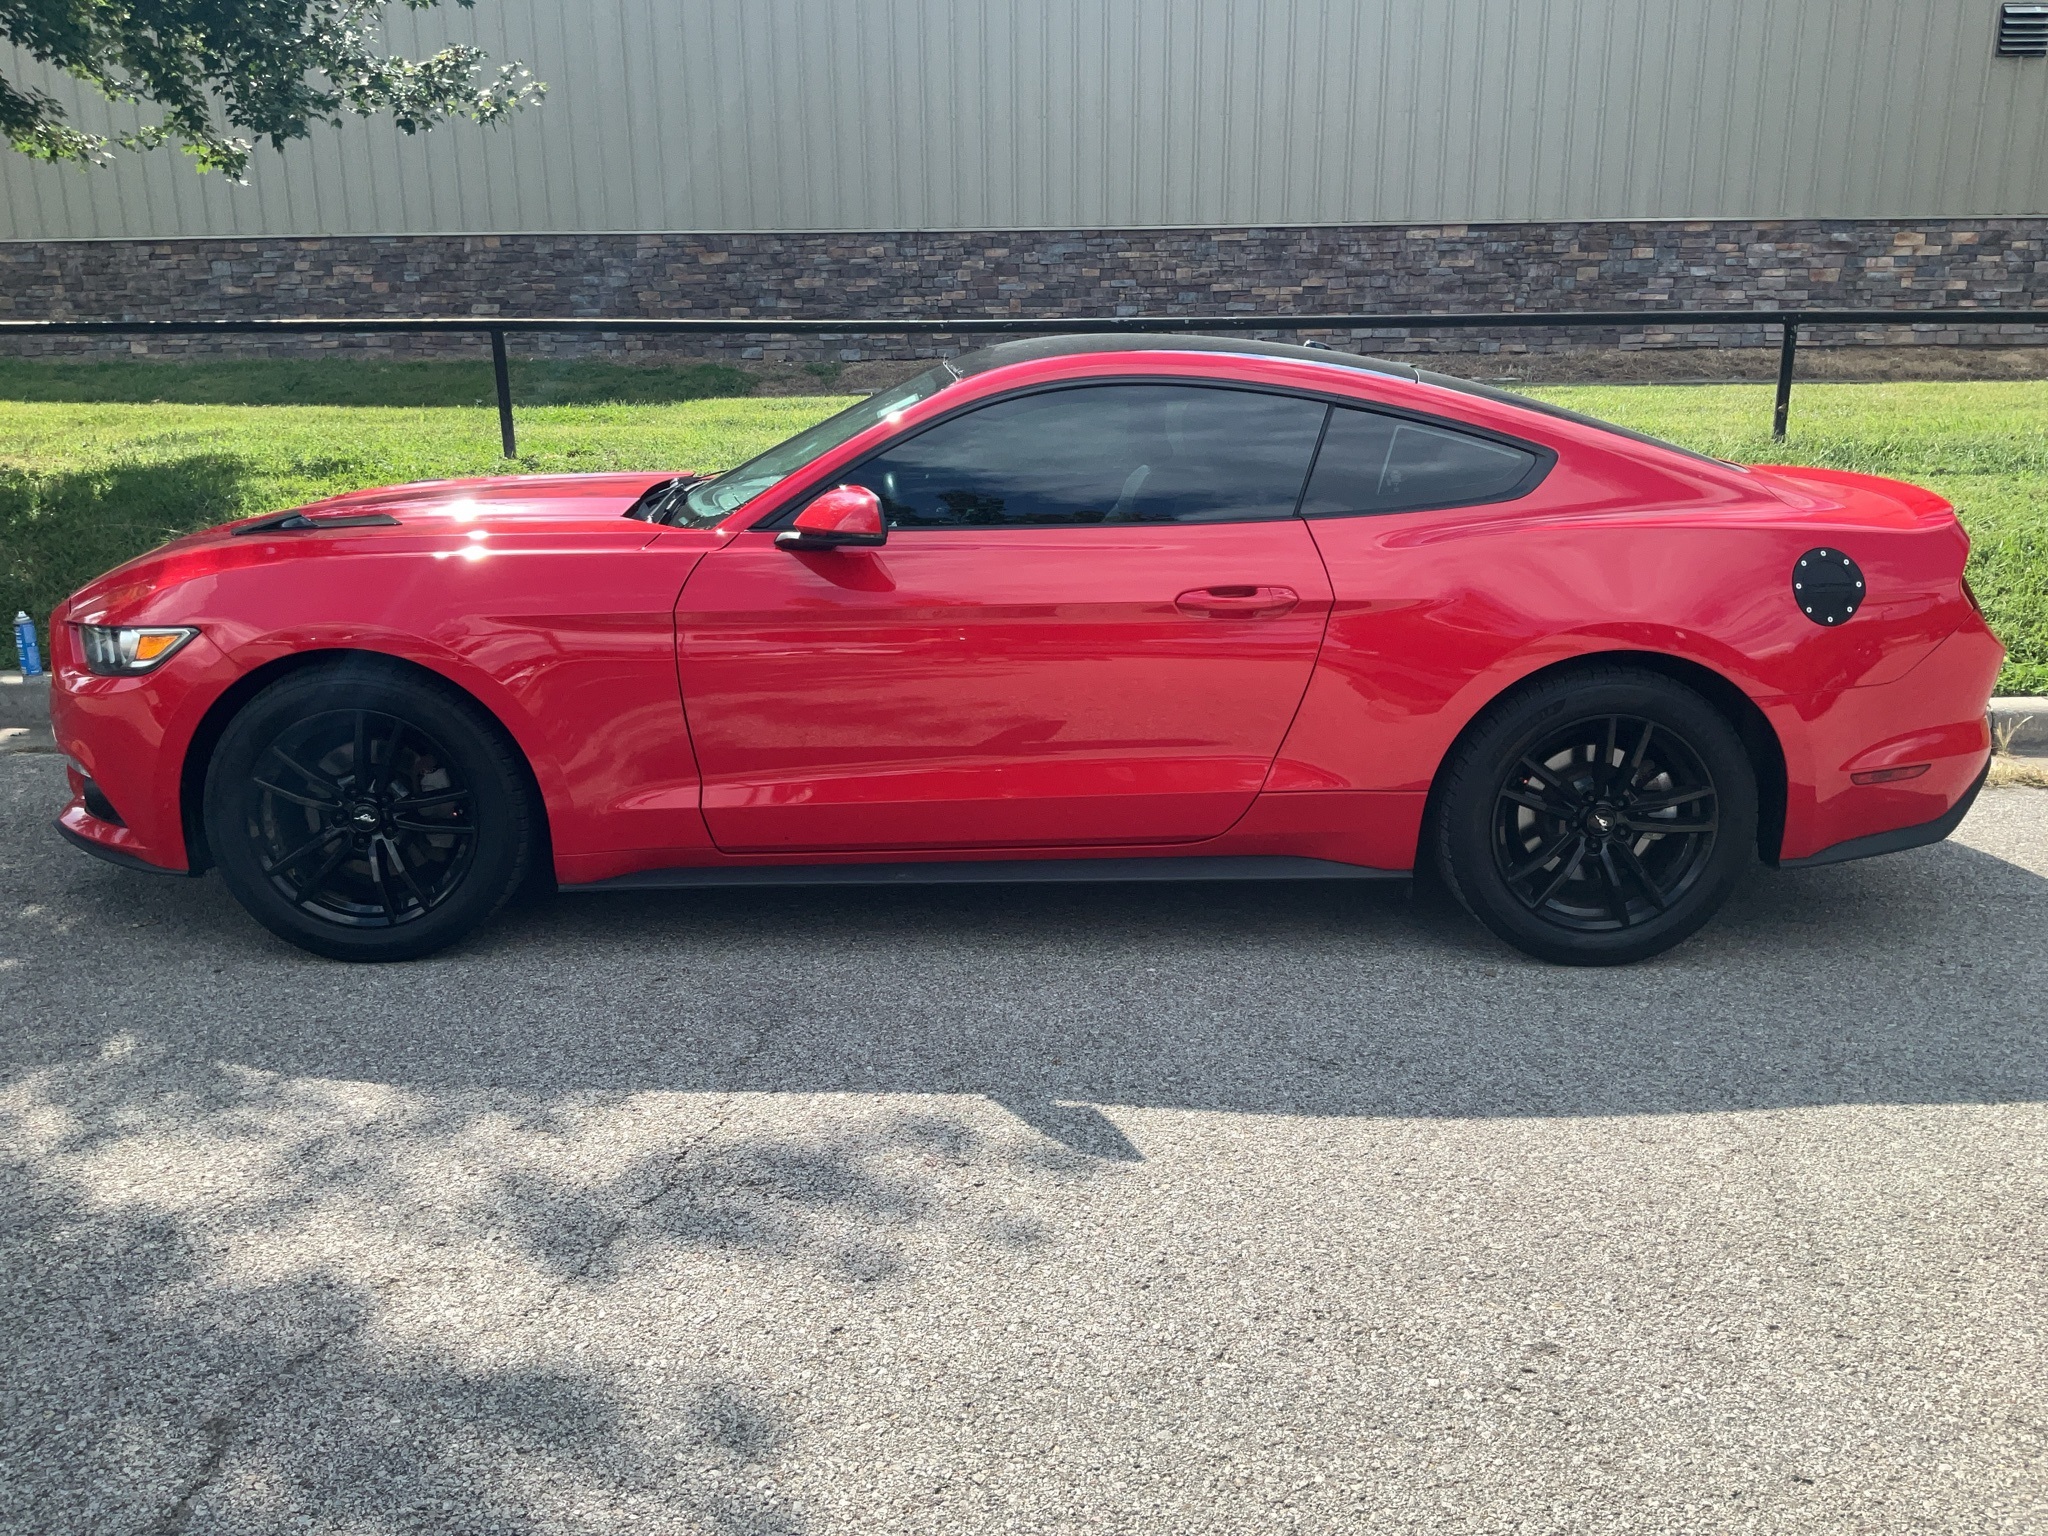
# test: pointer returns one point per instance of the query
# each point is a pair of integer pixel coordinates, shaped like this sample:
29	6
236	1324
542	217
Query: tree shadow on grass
59	531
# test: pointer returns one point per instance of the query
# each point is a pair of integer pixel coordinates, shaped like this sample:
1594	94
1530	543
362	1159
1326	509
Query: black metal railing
497	327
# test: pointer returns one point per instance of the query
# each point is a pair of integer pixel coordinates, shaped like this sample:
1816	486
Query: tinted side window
1110	453
1375	463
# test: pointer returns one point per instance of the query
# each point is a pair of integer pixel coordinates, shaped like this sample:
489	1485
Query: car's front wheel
367	814
1597	818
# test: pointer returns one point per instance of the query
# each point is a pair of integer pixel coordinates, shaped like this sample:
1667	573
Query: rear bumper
1930	723
1898	840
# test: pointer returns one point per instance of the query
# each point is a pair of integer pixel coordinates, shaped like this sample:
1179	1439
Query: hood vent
298	522
2023	31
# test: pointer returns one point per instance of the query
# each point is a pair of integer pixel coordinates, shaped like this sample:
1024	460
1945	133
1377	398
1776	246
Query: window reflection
1375	463
1113	453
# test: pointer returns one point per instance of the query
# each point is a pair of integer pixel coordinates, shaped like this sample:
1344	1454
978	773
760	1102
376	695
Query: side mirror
846	514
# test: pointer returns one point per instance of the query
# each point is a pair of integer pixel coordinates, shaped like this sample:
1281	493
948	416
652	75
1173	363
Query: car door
1091	623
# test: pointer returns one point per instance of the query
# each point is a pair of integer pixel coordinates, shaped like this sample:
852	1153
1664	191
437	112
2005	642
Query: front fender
570	649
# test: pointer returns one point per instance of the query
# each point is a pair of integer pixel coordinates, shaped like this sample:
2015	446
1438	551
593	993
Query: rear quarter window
1373	463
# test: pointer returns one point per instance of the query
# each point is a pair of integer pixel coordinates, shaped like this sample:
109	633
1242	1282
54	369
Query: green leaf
227	74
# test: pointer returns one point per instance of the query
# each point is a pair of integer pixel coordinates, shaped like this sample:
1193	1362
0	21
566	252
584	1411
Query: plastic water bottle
25	643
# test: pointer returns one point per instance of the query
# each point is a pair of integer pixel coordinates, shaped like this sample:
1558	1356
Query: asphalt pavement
1146	1209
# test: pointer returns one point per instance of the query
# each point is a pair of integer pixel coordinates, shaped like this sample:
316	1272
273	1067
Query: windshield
712	501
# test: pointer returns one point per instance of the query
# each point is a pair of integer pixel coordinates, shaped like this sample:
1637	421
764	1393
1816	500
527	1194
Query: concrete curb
25	713
2020	726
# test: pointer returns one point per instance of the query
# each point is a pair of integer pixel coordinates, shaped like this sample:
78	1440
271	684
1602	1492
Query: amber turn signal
113	652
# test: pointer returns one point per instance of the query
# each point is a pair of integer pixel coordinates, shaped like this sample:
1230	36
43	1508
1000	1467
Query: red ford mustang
1130	608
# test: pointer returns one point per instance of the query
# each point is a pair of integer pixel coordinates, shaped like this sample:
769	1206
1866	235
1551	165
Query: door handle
1238	602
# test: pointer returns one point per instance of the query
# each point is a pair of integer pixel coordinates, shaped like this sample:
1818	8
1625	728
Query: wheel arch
1759	738
214	723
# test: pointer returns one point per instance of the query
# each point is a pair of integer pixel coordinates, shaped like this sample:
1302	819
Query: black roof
1008	352
1003	354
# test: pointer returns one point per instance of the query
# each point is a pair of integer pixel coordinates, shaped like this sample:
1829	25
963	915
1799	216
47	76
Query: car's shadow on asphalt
1912	979
319	1198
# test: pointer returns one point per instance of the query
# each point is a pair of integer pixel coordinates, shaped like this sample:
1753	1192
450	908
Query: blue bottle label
25	643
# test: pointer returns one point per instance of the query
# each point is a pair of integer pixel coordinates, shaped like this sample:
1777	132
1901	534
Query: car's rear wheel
1597	818
367	814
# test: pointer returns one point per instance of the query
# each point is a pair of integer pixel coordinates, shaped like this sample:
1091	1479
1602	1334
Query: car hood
525	503
441	516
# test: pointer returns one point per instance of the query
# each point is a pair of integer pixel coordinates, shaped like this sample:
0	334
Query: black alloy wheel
360	818
1605	823
365	813
1598	817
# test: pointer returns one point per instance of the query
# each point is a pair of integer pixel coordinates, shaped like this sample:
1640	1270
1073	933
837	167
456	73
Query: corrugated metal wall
992	114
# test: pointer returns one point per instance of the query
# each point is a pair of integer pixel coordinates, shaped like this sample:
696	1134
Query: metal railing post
503	372
1787	350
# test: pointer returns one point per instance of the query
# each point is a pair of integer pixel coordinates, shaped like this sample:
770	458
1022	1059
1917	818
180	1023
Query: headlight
122	652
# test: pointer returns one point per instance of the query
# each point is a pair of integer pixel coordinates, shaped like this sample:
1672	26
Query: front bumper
124	740
100	846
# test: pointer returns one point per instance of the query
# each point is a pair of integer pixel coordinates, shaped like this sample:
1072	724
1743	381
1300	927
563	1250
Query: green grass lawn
99	462
85	486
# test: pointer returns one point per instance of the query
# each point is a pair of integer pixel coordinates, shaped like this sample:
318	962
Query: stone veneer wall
1549	266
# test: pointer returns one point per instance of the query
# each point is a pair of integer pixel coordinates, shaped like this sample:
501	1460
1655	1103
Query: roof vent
2023	31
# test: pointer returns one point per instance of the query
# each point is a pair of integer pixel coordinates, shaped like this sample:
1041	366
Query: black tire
1598	817
388	865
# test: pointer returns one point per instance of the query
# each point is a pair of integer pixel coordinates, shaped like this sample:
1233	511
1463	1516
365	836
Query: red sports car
1131	608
